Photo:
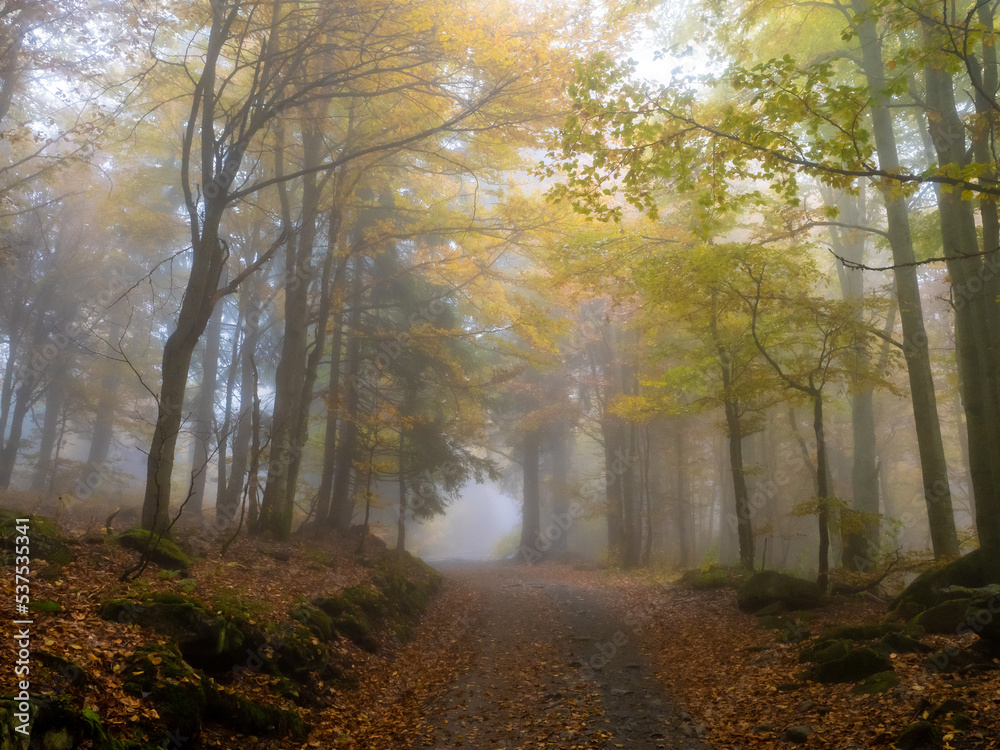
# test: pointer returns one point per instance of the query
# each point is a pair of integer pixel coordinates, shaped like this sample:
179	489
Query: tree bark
933	467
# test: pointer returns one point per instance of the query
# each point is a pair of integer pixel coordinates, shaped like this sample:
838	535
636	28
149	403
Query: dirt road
524	657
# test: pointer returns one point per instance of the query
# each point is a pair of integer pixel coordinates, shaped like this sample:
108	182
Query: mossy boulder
161	551
900	643
854	666
318	621
825	650
714	577
865	632
250	717
769	586
160	675
877	683
944	617
926	590
45	541
206	640
921	735
355	613
45	606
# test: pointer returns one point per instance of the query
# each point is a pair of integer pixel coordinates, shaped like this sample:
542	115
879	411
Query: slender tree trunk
50	429
531	508
205	413
227	511
823	485
401	476
341	503
933	467
225	436
683	507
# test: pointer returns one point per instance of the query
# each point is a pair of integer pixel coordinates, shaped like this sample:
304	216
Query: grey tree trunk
205	414
933	467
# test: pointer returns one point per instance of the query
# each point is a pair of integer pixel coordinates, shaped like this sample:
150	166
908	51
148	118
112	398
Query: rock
769	587
206	640
774	608
950	659
160	675
866	632
943	618
855	665
899	643
788	687
876	683
315	619
806	706
45	606
825	650
925	591
761	728
165	553
250	717
797	734
921	734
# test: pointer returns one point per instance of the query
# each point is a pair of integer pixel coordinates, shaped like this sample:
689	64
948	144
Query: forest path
525	657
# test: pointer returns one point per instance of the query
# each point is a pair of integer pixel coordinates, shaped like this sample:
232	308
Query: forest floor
509	656
554	656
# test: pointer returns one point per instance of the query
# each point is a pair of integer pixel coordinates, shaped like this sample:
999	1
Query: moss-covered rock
160	675
164	552
866	632
250	717
925	591
45	541
943	618
877	683
900	643
45	606
921	735
855	665
206	640
770	586
318	621
825	649
714	577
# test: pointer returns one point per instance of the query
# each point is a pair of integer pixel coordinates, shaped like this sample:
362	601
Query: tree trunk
226	512
531	508
933	467
975	314
401	522
205	414
50	429
823	485
683	507
341	503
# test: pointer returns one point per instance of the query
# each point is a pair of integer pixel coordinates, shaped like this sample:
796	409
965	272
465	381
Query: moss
921	734
769	586
45	606
876	683
824	650
159	674
249	717
925	591
942	618
714	577
866	632
855	665
45	540
315	619
207	640
900	643
165	553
